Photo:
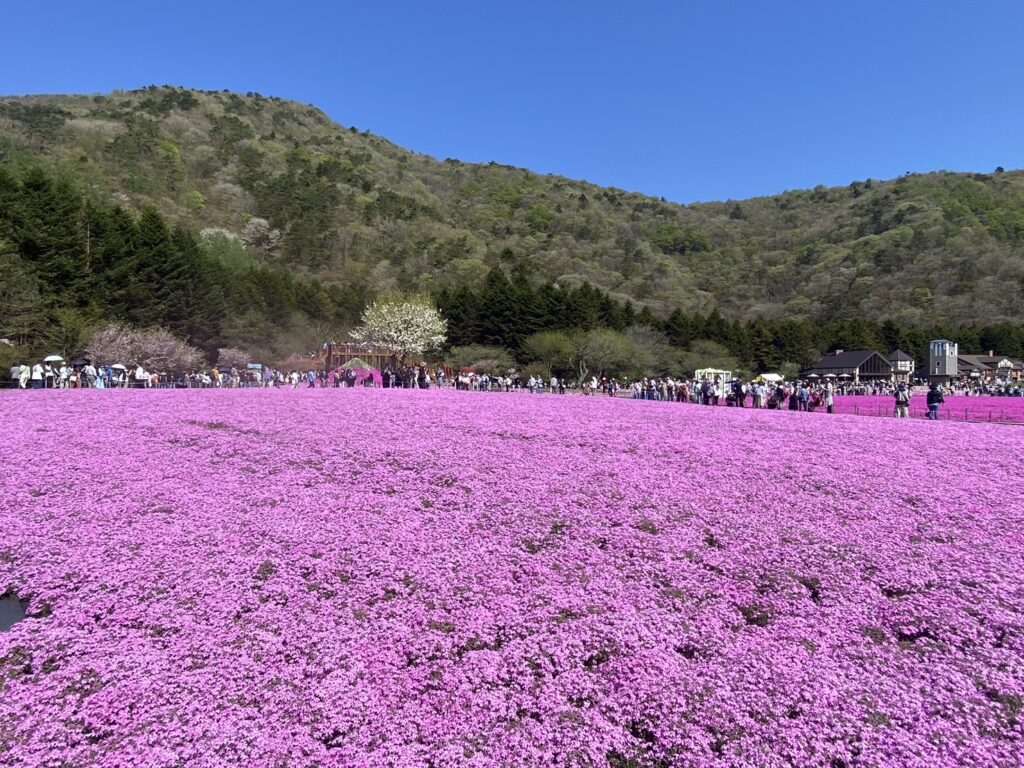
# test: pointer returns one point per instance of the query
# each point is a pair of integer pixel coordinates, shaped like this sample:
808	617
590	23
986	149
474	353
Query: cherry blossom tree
405	326
156	349
258	233
232	357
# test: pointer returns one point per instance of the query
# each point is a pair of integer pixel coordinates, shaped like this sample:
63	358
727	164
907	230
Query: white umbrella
830	376
118	367
53	359
812	376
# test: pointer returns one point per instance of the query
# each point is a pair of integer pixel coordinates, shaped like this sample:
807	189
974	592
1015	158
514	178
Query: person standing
37	376
24	376
803	396
935	399
902	402
830	402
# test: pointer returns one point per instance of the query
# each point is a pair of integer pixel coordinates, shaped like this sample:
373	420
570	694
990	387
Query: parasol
355	362
118	367
53	359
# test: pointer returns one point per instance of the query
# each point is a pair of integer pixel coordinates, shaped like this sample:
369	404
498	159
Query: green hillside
353	209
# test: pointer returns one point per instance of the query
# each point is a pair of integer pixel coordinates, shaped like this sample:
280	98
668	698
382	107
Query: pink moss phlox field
405	578
956	408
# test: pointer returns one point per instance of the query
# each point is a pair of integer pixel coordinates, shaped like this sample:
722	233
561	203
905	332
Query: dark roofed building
902	366
990	367
857	365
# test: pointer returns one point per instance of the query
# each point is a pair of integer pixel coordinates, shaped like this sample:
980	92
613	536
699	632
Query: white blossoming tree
258	233
156	349
405	326
232	357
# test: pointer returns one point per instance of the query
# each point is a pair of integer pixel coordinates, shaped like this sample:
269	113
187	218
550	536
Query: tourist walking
935	399
902	402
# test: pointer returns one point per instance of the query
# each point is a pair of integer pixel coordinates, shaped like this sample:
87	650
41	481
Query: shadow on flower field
406	578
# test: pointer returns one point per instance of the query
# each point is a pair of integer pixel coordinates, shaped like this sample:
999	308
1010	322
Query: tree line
69	264
512	318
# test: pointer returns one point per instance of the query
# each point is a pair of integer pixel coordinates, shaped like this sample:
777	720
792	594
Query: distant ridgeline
257	222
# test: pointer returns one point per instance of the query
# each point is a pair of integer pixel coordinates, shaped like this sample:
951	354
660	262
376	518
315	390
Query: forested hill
356	211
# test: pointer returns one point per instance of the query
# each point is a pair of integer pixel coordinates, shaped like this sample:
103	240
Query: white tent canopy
712	374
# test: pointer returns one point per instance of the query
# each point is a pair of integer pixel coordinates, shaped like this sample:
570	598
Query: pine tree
583	305
499	312
461	309
46	233
532	306
646	318
137	278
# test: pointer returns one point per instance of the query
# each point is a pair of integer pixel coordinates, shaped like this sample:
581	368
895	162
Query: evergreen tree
892	337
646	318
137	279
499	319
46	232
532	306
715	328
461	308
583	307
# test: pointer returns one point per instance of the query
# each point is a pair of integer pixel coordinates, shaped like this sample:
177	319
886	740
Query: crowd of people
86	375
983	388
793	396
759	393
800	395
89	376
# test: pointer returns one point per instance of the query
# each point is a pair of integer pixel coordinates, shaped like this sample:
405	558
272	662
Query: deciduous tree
404	325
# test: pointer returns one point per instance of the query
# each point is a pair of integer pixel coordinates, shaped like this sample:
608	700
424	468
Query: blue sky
686	100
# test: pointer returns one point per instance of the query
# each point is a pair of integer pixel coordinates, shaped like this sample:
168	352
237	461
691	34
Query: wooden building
859	365
336	355
902	366
990	368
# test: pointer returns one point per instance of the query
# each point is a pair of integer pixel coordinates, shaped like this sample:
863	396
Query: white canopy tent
712	373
